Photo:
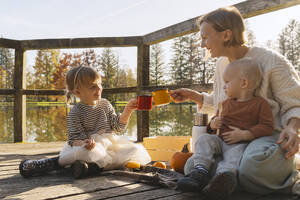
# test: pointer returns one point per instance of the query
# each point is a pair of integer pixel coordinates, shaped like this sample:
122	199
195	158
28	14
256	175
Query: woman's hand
289	141
89	144
180	95
216	123
184	94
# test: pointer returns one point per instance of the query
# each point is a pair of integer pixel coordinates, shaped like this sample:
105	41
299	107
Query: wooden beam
7	91
258	7
248	9
143	65
19	98
197	87
8	43
82	43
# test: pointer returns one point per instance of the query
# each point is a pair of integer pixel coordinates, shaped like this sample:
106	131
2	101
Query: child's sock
202	169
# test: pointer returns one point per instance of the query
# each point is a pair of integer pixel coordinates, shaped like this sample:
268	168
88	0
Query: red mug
144	103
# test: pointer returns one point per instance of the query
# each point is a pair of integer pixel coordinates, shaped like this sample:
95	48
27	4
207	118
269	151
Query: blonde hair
249	69
226	18
78	77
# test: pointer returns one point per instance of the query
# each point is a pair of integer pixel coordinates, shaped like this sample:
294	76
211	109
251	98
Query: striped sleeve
114	118
76	130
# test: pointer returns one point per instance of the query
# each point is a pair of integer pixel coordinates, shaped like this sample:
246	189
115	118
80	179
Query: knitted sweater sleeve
285	83
208	99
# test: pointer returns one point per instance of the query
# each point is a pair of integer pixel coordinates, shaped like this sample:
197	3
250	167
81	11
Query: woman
268	162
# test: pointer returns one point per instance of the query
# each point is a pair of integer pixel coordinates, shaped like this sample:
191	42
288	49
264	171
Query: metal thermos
201	119
200	123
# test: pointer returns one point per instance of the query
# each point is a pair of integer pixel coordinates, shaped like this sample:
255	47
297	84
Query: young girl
91	145
91	123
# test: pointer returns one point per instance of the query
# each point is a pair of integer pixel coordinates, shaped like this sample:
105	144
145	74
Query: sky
44	19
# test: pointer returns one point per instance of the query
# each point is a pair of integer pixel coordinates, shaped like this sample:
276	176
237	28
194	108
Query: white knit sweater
280	85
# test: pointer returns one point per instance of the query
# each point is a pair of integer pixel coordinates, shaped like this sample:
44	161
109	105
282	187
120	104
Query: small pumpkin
160	165
179	159
133	165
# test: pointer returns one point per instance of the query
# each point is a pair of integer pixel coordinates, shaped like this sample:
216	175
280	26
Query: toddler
243	118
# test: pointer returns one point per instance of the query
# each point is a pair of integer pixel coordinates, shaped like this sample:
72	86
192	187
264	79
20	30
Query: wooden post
19	98
142	80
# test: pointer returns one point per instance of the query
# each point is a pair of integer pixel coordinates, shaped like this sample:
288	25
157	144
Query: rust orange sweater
254	115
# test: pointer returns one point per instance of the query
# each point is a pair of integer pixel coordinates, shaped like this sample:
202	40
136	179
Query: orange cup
161	97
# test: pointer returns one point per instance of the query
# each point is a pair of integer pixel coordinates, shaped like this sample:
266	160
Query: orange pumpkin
160	165
179	159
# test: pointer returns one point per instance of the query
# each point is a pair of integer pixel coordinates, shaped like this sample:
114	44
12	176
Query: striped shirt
85	120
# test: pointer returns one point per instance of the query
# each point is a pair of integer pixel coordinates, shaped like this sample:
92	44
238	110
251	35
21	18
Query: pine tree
192	57
250	36
156	65
178	63
6	68
131	81
289	43
188	64
109	66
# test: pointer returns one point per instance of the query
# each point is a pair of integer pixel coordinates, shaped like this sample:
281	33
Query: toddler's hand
216	123
131	105
89	144
77	143
234	136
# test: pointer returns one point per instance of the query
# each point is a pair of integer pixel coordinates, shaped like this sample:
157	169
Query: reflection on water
48	123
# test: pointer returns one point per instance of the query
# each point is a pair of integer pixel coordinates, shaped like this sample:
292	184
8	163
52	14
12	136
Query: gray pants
207	147
263	168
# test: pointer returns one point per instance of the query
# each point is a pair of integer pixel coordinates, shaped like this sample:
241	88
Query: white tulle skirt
111	152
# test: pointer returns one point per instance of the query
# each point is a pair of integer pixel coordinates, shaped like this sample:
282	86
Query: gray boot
29	168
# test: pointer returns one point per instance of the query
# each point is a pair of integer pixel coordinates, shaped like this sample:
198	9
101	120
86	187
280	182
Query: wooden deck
63	186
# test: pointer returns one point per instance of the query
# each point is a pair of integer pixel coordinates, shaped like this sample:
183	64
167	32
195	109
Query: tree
200	68
46	62
59	75
250	36
192	57
156	65
178	62
109	65
6	68
131	81
86	58
188	64
289	43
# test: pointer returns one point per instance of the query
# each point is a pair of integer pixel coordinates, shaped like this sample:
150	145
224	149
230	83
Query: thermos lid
201	119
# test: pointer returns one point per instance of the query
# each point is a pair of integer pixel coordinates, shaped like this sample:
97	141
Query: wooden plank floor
58	185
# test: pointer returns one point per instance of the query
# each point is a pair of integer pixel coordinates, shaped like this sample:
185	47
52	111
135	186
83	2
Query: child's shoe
221	186
94	169
194	182
79	169
29	168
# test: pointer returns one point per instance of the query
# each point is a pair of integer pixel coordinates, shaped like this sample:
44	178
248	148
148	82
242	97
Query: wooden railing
248	9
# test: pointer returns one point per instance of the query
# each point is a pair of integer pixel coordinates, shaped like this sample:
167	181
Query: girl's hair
78	77
226	18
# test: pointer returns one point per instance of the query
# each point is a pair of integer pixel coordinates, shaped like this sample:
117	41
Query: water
48	123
